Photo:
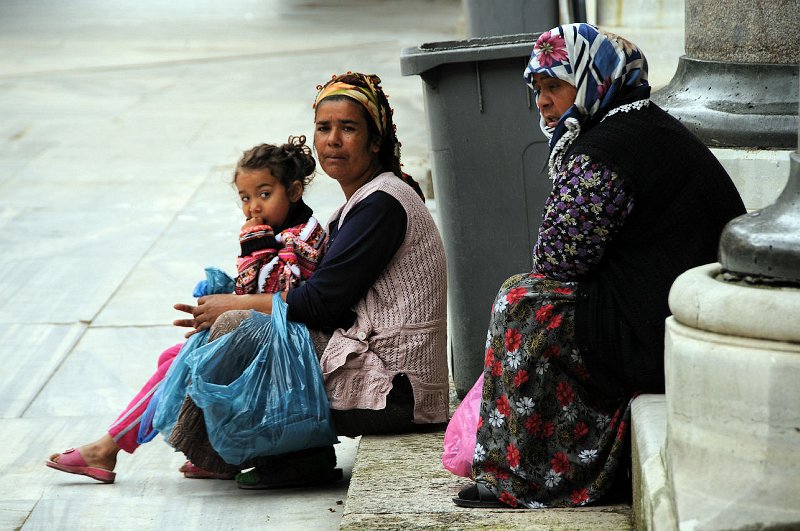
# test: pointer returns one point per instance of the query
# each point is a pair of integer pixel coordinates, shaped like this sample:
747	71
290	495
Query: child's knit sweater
272	263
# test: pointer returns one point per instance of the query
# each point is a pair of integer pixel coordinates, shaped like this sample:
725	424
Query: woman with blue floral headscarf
636	200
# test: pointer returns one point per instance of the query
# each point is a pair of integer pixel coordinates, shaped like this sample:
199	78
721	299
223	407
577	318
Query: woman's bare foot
101	453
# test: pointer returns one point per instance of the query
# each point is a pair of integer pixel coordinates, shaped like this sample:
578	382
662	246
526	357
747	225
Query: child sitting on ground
281	242
281	245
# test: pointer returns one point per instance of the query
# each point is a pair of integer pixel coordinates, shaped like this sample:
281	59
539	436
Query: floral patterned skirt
545	439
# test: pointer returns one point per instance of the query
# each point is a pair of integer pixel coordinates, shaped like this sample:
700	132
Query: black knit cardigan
682	200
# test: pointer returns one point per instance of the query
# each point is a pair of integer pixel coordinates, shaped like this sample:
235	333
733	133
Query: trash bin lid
416	61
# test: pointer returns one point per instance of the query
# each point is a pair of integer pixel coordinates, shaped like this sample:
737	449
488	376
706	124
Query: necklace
628	107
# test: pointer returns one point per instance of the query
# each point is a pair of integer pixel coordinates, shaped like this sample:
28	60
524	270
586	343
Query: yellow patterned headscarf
366	96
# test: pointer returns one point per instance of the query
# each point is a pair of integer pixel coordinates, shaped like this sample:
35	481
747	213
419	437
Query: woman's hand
208	309
212	306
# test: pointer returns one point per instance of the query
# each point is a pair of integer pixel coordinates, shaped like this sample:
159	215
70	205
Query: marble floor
120	126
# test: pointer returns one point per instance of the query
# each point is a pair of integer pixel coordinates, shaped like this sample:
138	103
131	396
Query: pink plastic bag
459	438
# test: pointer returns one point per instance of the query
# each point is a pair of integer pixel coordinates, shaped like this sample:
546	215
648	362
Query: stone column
737	84
736	88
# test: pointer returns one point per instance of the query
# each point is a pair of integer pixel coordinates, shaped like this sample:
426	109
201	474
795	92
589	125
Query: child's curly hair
288	163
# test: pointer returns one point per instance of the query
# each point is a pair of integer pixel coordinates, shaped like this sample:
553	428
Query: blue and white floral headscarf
606	70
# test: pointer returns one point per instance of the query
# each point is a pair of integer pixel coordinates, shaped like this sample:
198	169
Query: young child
281	245
281	242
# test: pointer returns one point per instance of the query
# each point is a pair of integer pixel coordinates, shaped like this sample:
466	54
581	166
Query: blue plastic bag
165	405
260	388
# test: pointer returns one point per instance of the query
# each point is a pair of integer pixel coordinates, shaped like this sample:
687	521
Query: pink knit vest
401	324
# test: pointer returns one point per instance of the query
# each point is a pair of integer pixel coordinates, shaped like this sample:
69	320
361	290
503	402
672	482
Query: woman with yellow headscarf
376	305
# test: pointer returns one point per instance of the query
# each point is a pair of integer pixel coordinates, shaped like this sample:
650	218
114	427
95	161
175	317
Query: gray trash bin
491	18
489	176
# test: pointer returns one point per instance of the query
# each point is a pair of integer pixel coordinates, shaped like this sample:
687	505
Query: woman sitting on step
637	199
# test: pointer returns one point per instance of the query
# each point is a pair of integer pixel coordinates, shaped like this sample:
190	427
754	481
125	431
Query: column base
733	404
735	104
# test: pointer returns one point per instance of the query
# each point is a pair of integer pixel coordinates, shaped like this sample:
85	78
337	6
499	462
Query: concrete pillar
737	84
736	88
743	31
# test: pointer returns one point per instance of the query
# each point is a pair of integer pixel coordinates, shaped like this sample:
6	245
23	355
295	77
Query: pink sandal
72	461
192	471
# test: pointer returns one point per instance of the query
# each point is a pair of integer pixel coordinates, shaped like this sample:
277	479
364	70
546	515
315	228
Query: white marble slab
62	264
102	374
30	354
652	499
204	232
13	513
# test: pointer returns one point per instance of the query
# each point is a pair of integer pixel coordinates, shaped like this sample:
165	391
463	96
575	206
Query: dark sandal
478	496
255	480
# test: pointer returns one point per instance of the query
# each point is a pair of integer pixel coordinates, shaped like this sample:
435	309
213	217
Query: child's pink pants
125	429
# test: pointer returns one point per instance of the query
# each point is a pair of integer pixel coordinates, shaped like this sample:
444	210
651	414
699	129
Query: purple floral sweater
587	206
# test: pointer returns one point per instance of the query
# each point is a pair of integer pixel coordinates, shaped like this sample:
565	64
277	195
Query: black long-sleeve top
358	252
